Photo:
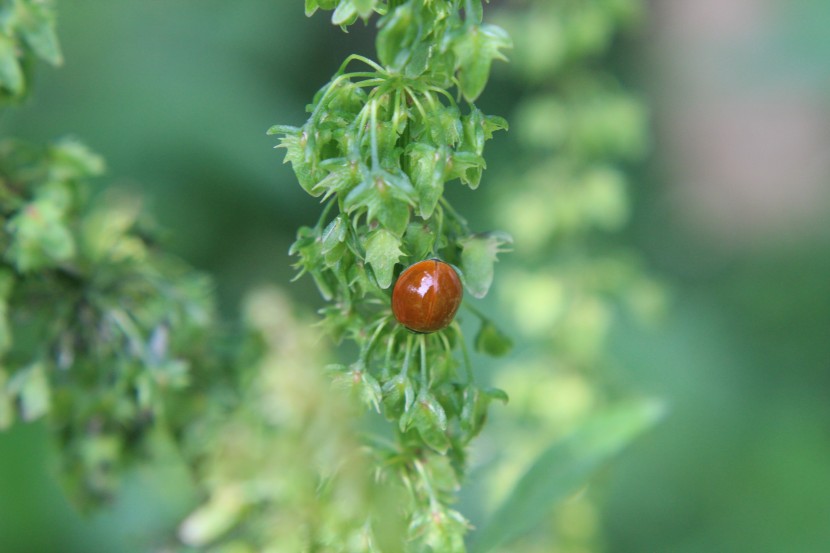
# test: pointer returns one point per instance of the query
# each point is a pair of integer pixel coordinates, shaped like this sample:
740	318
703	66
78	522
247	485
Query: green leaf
468	167
311	7
418	60
563	468
31	387
299	152
357	380
37	27
428	169
364	7
386	198
443	529
370	391
445	126
383	249
419	239
214	518
345	14
441	474
11	75
476	49
478	255
333	240
478	128
40	236
492	341
398	31
398	396
429	418
72	159
493	123
474	10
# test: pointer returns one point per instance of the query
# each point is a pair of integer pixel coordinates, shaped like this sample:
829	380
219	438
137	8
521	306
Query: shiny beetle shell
426	296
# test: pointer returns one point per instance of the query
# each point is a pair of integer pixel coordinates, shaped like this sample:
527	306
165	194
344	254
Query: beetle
426	296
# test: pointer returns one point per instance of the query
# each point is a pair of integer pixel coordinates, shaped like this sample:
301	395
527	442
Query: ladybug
426	296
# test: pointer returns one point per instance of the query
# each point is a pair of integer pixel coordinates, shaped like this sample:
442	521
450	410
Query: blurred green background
730	211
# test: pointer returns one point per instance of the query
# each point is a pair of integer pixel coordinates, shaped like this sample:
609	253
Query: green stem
446	94
433	500
406	357
422	339
358	57
368	349
416	102
324	215
468	366
373	134
475	311
455	215
388	360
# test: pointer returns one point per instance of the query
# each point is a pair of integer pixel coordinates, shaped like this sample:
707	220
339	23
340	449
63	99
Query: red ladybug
426	296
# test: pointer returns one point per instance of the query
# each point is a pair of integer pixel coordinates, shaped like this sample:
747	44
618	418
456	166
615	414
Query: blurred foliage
285	471
577	132
98	325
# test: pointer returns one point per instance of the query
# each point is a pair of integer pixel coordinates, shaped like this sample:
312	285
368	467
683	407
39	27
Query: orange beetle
426	296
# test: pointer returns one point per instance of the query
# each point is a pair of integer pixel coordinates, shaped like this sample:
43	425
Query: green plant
27	32
378	148
116	343
98	327
576	130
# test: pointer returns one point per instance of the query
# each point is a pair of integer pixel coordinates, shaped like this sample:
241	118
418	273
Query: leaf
358	381
214	518
428	168
563	468
72	159
386	198
345	14
418	60
429	418
297	152
478	255
493	123
445	125
383	249
31	386
370	391
478	128
343	176
474	11
40	236
11	75
364	7
333	239
398	396
419	239
397	32
476	49
473	125
37	27
492	341
443	529
466	166
311	7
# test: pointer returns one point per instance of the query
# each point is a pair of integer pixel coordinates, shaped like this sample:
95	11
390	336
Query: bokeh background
730	212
